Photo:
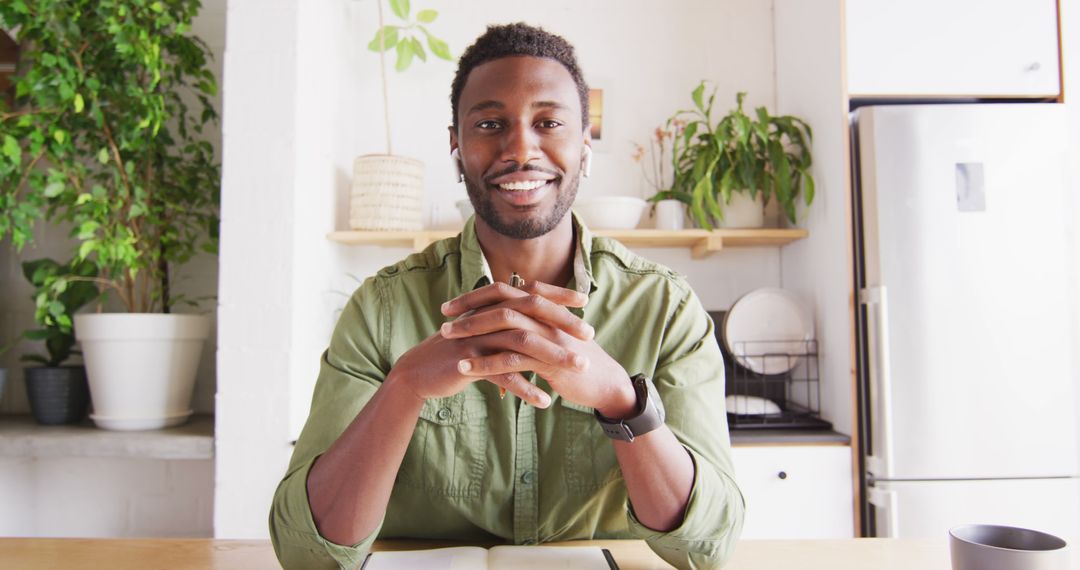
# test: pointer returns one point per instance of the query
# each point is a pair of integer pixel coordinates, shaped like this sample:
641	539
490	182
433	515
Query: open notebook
495	558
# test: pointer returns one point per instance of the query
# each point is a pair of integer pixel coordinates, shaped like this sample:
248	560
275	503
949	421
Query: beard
529	228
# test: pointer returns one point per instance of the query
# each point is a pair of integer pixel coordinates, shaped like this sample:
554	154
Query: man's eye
550	124
488	125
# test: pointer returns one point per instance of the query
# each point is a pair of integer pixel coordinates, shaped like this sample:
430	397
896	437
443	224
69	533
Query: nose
520	144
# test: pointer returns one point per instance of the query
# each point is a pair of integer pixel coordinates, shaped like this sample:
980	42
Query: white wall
302	99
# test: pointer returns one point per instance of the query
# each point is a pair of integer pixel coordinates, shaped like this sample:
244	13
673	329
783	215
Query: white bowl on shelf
610	212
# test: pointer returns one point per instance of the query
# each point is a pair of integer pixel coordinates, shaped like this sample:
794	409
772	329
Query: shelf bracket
706	245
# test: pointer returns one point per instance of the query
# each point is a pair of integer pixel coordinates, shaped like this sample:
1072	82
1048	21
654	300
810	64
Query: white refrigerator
967	261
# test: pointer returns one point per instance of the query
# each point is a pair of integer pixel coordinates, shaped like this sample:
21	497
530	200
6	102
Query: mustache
521	168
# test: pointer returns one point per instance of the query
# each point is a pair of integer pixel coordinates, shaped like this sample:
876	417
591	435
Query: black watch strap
649	416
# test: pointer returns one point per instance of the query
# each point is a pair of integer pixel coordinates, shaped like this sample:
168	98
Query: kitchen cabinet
795	491
961	48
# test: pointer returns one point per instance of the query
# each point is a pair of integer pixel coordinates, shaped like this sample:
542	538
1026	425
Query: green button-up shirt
481	468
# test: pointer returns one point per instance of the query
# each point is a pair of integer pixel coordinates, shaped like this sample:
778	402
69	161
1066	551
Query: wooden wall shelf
700	242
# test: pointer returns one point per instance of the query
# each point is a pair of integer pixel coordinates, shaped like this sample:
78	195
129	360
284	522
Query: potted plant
740	162
388	190
58	394
104	135
669	205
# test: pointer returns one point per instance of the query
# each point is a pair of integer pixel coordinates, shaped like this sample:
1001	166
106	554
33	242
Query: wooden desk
200	554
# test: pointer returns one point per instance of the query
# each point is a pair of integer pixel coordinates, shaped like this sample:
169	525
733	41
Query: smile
523	185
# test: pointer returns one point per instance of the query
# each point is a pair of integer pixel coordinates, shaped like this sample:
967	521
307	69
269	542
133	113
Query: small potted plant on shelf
58	394
669	204
728	171
105	135
388	189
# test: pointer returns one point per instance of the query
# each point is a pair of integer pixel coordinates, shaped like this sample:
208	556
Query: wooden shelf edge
701	242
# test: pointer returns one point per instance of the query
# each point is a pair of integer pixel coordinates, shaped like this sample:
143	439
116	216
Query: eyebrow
492	104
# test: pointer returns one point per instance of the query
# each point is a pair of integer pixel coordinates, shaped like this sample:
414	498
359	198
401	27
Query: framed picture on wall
599	126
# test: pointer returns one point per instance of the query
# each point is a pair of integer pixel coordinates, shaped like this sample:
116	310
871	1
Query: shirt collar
475	271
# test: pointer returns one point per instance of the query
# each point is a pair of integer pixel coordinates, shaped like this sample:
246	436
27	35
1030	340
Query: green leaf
103	155
36	334
87	248
697	95
12	149
418	49
60	135
400	8
385	38
404	55
809	196
157	7
427	16
54	189
439	48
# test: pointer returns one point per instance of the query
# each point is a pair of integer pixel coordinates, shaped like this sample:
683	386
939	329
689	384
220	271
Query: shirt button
444	414
528	477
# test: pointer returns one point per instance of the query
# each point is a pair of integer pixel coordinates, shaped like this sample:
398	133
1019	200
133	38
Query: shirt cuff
296	539
711	524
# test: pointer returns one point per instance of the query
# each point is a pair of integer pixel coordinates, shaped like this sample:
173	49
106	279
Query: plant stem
382	68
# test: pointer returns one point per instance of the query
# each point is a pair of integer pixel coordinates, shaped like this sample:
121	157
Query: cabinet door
795	491
955	48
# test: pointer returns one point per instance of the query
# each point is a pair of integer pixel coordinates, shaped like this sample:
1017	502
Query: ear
453	137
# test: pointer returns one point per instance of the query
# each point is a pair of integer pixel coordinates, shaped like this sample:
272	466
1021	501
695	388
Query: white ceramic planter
141	367
743	211
670	215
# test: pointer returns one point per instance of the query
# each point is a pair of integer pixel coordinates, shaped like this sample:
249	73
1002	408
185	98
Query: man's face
521	142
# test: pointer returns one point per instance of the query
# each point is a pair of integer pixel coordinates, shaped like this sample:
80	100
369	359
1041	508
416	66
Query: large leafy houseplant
765	154
111	97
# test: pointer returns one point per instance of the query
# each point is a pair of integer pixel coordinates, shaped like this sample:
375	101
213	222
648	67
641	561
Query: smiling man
614	426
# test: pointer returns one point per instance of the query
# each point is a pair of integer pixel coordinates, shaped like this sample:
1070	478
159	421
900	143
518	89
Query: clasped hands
500	332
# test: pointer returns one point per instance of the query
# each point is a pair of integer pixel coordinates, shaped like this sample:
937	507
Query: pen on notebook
516	282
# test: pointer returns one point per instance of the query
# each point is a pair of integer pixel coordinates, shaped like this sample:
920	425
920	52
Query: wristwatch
649	416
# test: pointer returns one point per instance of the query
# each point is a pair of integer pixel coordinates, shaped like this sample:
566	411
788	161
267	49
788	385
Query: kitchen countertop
788	437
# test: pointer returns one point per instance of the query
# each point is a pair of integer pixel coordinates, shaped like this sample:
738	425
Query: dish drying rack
796	389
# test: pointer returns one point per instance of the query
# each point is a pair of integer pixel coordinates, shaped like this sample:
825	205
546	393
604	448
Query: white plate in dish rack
766	331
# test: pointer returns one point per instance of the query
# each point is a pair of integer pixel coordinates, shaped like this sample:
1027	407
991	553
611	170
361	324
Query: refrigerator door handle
885	501
880	462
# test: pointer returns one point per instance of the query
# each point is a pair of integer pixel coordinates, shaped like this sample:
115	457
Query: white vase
387	193
670	215
141	367
743	211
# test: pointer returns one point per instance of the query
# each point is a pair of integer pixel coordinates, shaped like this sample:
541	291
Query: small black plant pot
58	395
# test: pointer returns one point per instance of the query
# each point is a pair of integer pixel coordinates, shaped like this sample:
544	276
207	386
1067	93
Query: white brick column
256	263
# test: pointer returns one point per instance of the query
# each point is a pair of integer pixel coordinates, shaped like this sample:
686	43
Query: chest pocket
590	456
447	453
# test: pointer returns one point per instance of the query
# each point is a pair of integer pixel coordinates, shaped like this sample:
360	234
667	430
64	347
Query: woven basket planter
387	193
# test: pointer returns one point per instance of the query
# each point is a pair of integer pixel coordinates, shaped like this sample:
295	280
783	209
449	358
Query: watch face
649	390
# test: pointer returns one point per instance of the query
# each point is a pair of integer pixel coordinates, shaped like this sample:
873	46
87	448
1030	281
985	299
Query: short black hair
519	39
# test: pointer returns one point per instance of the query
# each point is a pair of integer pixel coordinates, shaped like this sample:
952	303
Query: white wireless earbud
586	163
456	155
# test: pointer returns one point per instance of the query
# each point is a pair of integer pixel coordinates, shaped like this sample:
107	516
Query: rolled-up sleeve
690	380
352	369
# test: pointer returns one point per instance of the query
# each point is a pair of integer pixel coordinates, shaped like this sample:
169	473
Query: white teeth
523	185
